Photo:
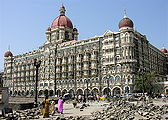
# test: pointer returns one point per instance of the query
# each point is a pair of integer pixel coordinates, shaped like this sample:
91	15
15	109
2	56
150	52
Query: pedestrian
46	110
84	99
74	103
79	98
60	105
52	107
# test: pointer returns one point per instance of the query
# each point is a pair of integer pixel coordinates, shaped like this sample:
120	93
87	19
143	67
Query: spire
135	29
163	46
125	15
8	47
62	10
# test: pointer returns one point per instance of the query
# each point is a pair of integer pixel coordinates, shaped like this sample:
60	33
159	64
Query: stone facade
106	64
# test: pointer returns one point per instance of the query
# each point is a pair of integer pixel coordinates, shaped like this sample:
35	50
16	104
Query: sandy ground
94	106
69	110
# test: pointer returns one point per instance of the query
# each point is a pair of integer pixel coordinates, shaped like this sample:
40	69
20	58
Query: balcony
85	58
94	58
94	67
64	62
86	68
64	70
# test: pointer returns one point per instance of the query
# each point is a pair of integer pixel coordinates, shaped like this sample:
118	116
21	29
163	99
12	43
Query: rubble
119	110
23	114
129	111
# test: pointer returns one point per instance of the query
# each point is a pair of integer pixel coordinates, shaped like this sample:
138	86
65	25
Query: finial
8	47
125	15
62	10
135	29
163	46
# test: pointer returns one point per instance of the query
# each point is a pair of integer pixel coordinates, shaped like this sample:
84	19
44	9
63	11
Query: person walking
74	103
52	107
60	105
46	110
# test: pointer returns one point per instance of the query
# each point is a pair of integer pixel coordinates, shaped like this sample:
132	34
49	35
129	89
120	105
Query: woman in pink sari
60	105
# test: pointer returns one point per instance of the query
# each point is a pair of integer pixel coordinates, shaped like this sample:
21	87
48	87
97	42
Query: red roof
126	22
62	21
7	54
48	29
163	50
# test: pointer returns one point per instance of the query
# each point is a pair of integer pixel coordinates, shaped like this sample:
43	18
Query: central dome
62	20
125	22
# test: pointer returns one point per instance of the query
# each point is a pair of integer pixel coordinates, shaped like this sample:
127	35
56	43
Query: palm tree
148	83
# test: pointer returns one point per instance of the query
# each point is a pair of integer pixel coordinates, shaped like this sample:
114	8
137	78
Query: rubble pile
23	114
119	110
129	111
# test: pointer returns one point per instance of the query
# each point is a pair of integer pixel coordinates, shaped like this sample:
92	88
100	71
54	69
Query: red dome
126	22
48	29
163	50
8	53
62	21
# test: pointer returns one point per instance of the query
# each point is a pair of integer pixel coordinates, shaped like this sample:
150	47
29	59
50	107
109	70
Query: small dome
163	50
48	29
126	22
7	54
75	30
62	20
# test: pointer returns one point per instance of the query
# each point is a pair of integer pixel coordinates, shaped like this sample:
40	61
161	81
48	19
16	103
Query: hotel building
107	64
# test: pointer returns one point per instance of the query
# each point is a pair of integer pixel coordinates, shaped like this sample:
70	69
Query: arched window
118	79
111	79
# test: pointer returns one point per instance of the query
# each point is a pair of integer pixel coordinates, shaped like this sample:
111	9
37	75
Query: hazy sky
23	22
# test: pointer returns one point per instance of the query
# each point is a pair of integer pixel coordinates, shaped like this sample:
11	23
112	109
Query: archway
166	90
15	93
107	91
58	92
86	92
32	92
45	92
95	91
41	92
116	91
71	92
23	93
79	92
27	92
19	93
64	91
51	93
10	93
126	89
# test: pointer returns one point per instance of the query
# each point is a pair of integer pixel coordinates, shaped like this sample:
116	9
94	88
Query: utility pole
37	65
55	80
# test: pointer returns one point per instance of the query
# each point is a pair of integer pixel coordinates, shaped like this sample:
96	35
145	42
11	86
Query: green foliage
148	82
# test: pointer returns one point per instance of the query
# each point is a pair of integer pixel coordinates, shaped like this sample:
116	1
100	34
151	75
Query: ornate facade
106	64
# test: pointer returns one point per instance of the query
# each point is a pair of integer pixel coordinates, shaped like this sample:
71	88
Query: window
45	84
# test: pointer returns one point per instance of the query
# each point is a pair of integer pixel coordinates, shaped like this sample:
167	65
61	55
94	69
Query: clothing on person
74	103
46	109
60	105
52	108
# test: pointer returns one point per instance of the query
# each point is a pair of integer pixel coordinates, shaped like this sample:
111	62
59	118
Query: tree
148	83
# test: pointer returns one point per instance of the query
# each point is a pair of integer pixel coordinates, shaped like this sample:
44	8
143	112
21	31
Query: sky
23	22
